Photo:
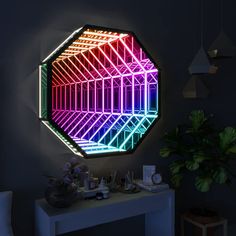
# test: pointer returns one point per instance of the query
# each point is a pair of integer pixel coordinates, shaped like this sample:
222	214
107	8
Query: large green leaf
220	175
197	119
200	157
176	180
166	151
192	165
176	166
227	138
203	184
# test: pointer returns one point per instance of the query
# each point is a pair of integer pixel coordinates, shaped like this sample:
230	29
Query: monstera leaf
227	138
176	180
192	165
203	184
220	175
176	166
197	119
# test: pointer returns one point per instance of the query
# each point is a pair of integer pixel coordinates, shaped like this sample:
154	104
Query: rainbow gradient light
98	91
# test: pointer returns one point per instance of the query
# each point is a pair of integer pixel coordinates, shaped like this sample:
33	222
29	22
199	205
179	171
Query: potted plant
202	150
63	191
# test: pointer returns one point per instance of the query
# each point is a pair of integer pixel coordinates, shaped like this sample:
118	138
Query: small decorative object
222	47
148	172
106	194
99	195
195	88
90	182
154	188
201	150
128	185
101	188
152	180
201	64
62	192
129	181
112	182
156	178
86	182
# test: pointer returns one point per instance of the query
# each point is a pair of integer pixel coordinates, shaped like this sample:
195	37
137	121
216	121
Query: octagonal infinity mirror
99	91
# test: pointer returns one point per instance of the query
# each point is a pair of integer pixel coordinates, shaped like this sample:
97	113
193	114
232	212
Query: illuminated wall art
99	91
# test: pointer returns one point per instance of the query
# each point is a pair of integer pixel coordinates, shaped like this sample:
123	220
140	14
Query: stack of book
152	188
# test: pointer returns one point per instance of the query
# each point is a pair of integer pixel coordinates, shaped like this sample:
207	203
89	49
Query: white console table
157	207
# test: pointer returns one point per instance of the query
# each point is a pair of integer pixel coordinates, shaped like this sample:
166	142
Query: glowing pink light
104	91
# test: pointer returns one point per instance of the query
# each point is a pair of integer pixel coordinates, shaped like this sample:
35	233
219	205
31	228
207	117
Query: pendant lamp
222	46
195	88
201	63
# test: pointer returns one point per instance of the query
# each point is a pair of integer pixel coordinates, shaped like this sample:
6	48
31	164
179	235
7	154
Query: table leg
161	222
182	226
43	224
225	228
204	231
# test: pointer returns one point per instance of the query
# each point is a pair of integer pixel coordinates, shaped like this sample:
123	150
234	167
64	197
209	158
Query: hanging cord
202	21
221	15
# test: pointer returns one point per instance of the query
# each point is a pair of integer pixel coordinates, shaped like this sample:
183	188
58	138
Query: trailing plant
201	149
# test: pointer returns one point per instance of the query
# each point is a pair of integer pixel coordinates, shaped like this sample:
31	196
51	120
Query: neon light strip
108	130
63	140
102	34
105	151
130	135
85	44
84	125
90	45
62	44
91	126
40	92
76	47
117	114
93	39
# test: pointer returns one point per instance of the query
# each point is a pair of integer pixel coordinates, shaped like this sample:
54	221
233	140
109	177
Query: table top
115	198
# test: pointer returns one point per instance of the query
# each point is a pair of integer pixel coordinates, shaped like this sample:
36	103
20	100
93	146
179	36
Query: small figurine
103	188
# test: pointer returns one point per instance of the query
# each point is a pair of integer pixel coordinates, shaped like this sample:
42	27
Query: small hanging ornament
201	63
222	47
